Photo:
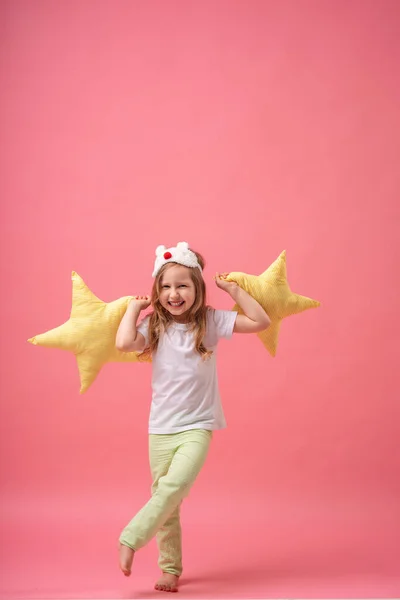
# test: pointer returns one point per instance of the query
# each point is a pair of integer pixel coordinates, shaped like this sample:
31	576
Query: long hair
161	319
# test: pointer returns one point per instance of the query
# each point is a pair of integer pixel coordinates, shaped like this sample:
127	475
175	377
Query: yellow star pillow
89	333
272	291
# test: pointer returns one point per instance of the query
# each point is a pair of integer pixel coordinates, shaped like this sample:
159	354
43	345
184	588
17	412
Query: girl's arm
255	318
128	339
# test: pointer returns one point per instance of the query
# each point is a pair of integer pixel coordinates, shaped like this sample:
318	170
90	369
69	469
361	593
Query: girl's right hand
141	302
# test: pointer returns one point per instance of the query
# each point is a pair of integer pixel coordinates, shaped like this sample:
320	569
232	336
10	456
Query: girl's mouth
176	304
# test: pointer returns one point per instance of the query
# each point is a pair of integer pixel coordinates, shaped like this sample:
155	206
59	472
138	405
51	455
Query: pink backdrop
244	128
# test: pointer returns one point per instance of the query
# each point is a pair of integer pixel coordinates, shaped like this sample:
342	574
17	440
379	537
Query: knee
172	492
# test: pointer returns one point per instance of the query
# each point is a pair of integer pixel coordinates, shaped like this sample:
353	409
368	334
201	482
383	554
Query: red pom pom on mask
167	255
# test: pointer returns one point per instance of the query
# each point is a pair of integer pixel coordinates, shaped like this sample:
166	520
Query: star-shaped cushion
272	291
89	333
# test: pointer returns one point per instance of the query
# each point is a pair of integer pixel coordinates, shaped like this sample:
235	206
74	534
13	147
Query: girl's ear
160	250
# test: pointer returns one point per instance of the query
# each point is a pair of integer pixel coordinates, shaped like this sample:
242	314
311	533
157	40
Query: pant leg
172	487
169	537
169	542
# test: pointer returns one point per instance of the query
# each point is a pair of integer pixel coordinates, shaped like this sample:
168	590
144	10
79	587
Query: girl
181	335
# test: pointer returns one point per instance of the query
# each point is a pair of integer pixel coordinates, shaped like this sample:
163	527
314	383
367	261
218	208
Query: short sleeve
143	328
221	323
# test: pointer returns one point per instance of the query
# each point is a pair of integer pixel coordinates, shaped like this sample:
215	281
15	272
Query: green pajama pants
175	461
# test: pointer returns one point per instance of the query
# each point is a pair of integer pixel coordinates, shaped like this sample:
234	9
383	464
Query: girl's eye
182	285
165	287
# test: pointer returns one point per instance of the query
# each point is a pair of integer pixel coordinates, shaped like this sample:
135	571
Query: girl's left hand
221	282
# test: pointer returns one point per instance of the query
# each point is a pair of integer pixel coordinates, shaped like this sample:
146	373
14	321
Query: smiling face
177	292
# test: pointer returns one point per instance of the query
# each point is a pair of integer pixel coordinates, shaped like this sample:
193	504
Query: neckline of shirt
179	325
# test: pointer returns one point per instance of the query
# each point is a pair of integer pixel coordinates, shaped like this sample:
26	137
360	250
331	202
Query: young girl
181	335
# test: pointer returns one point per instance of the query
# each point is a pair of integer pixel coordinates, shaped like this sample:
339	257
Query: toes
160	587
164	586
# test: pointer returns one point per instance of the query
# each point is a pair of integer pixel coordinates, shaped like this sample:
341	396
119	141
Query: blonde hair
160	319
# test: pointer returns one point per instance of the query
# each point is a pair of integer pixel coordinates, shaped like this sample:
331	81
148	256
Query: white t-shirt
185	387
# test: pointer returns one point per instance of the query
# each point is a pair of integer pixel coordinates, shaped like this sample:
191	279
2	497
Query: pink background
245	128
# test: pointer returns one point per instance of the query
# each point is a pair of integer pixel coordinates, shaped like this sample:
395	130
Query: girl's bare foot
125	559
167	583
